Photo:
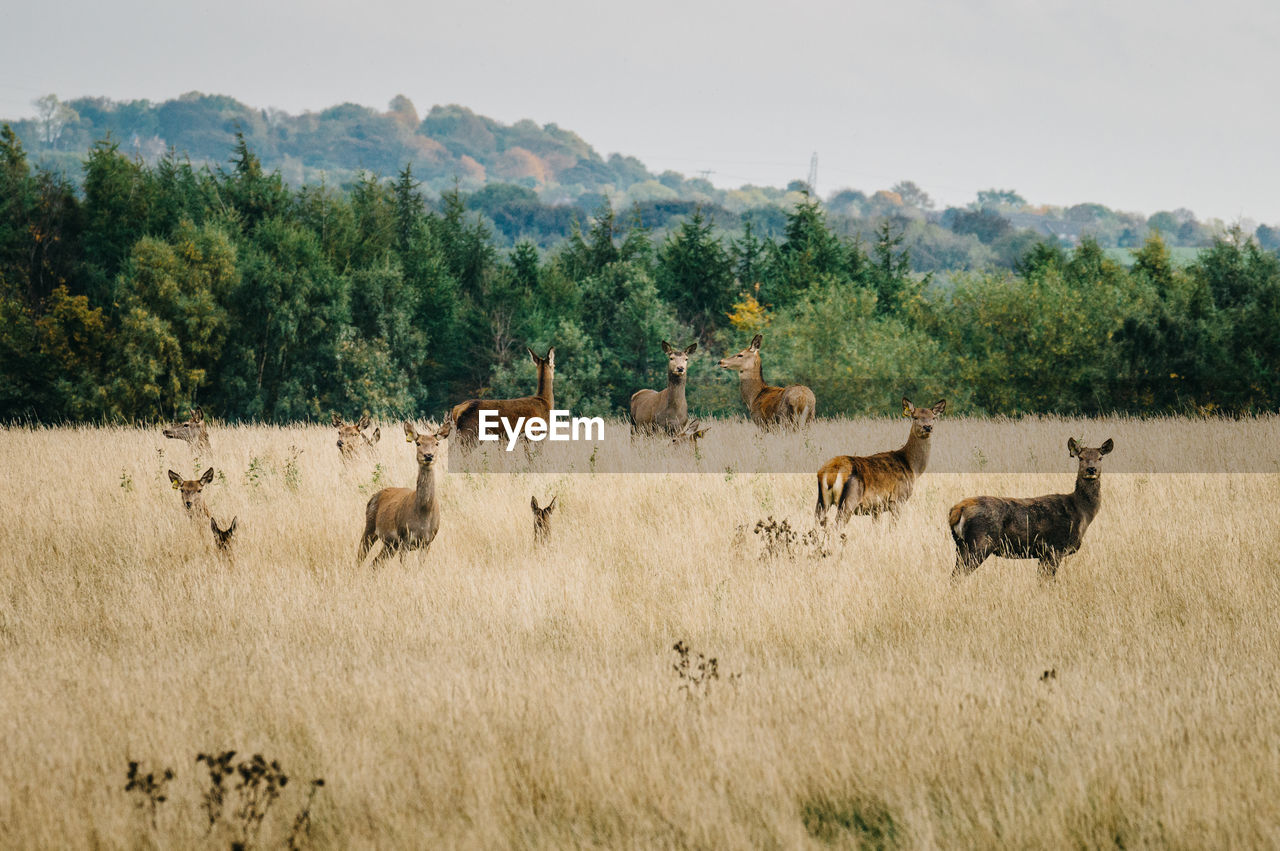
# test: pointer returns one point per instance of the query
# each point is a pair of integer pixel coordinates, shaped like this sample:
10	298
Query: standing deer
542	520
407	518
881	482
351	437
466	415
190	492
665	410
222	537
792	406
1047	528
689	436
193	431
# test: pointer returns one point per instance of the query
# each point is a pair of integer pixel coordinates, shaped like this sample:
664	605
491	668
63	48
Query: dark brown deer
352	439
882	482
1047	528
792	406
466	415
407	518
689	436
190	489
193	431
664	410
542	520
222	537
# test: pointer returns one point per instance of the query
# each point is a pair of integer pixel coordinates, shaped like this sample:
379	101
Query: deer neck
545	393
751	382
424	498
1088	495
916	452
675	392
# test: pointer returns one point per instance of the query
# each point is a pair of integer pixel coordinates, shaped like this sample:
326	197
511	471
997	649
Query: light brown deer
792	406
882	482
407	518
542	520
222	537
689	436
352	439
664	410
193	431
1047	528
190	489
466	415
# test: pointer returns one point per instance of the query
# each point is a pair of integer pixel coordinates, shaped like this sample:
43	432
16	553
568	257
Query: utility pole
813	175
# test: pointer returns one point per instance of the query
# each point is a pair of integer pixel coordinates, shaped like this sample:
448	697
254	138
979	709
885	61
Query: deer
882	482
664	410
407	518
351	436
689	436
222	537
542	520
193	431
792	406
466	415
190	492
1048	528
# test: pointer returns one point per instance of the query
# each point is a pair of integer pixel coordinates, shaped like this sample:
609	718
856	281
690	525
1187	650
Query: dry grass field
490	695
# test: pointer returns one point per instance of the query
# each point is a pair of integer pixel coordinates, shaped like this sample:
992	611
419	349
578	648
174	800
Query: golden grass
488	694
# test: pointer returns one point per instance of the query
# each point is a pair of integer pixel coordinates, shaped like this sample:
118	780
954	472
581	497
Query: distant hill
533	181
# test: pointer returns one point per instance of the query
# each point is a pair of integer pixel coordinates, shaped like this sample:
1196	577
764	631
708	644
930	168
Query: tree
999	199
912	195
695	274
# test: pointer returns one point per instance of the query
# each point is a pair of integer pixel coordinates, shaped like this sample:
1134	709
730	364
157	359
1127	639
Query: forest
140	288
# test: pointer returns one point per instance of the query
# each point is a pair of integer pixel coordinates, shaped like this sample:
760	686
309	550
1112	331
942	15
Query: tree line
151	287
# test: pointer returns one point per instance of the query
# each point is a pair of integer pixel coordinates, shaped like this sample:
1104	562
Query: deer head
428	442
747	360
690	434
677	359
922	418
542	519
222	537
190	490
1090	459
192	429
351	436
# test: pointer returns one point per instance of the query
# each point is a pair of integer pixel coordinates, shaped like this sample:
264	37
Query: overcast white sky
1137	105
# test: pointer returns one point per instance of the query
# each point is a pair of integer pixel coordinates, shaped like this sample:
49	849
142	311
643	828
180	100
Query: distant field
487	694
1181	255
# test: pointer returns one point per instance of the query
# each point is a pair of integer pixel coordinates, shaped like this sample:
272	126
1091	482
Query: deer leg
366	541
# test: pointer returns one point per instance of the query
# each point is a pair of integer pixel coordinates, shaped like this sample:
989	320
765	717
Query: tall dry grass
488	694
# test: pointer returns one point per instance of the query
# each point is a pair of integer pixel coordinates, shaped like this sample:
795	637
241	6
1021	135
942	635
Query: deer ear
446	429
377	435
176	479
697	435
198	414
939	408
409	433
1107	447
232	527
552	504
536	359
691	349
756	341
667	348
364	422
551	355
533	503
337	420
207	477
1073	448
907	408
213	524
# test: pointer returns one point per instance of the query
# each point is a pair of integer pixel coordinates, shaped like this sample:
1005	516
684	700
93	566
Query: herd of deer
1046	528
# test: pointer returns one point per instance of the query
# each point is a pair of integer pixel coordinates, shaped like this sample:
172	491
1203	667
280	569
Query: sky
1141	106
